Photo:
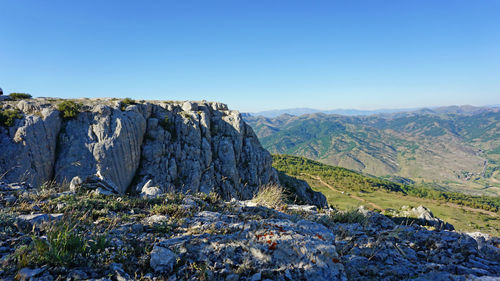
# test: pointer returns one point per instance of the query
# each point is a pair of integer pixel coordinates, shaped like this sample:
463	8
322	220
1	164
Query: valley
347	190
449	149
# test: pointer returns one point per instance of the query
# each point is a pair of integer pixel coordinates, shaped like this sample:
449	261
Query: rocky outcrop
420	215
105	140
147	148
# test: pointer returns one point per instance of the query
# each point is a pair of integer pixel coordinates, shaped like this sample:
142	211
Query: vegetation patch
19	96
166	124
65	245
126	102
69	109
7	117
349	216
345	179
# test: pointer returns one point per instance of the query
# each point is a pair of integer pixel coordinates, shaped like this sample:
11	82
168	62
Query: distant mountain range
451	148
354	112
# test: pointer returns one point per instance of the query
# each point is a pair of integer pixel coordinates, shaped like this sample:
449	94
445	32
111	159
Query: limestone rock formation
28	149
150	147
105	140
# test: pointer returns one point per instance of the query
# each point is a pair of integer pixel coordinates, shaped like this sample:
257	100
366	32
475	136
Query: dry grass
271	196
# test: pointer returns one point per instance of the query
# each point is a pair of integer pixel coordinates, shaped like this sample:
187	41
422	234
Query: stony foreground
48	234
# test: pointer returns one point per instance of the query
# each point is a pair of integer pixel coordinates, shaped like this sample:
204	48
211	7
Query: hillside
346	189
452	148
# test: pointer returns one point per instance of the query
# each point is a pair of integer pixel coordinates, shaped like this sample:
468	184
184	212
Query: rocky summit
108	189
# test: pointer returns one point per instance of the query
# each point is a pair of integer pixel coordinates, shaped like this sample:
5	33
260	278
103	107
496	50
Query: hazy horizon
256	56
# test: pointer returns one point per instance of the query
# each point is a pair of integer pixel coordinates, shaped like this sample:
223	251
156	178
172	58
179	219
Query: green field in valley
345	189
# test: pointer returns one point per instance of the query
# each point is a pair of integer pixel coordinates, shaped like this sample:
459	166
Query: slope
346	189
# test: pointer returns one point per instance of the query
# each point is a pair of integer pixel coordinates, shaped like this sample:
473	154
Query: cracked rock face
189	147
28	150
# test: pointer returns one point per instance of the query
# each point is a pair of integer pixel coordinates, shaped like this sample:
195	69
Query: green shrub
166	124
8	116
272	196
19	96
126	102
69	109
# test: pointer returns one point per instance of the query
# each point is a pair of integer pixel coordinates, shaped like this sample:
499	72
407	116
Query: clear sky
256	55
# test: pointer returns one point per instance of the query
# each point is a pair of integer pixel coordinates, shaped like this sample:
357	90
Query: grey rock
105	140
119	273
162	259
36	219
77	274
150	191
204	150
28	273
155	219
29	148
75	183
256	277
424	216
190	106
96	183
10	198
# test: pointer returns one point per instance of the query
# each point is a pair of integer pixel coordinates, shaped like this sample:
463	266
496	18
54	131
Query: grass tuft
350	216
272	196
64	245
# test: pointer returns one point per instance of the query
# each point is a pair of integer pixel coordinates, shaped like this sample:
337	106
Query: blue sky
256	55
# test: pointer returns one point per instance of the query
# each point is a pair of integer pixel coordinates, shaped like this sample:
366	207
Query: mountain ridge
452	148
356	112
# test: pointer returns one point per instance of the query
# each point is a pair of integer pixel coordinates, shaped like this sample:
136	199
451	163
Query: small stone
75	184
150	191
156	219
77	274
27	273
10	198
232	277
36	219
162	259
256	277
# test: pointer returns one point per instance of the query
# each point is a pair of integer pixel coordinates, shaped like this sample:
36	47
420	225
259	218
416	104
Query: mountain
355	112
453	148
301	111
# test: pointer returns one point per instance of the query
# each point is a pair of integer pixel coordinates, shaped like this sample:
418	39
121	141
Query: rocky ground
53	234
